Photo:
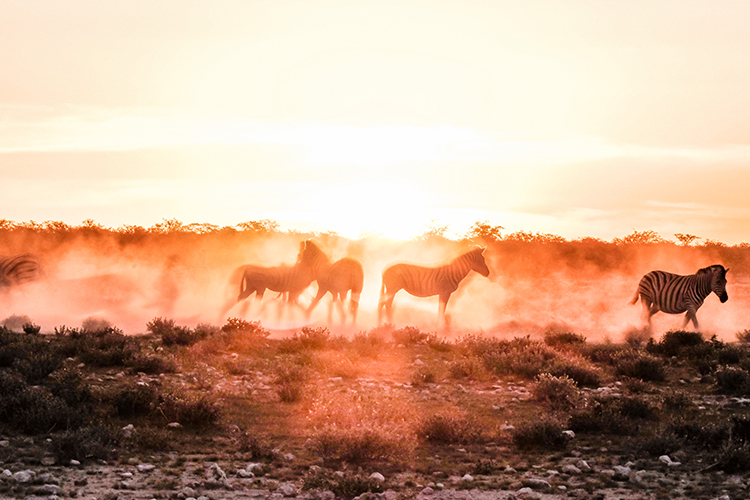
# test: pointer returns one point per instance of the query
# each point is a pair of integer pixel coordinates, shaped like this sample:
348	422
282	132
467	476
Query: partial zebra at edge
19	269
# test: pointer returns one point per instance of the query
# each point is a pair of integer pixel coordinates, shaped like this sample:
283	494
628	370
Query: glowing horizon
569	118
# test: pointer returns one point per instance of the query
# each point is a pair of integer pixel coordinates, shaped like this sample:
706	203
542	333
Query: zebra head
478	263
718	281
311	256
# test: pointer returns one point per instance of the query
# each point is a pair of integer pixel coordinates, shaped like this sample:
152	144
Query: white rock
287	489
174	425
289	457
571	469
74	462
255	468
427	491
145	467
570	434
468	478
127	431
24	476
377	476
4	443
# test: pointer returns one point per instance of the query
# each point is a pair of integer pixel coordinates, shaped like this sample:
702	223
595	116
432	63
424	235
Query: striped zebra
427	281
289	281
676	294
19	269
342	276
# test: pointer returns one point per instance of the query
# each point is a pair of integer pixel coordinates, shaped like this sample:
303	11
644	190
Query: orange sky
579	118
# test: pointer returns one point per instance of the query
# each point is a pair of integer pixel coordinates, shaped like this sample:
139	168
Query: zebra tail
635	299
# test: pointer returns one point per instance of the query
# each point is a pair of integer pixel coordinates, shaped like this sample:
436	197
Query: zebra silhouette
427	281
676	294
342	276
289	281
19	269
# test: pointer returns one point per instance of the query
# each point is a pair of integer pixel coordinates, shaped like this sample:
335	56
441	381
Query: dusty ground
388	385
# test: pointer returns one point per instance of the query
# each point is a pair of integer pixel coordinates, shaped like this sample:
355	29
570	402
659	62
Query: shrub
313	338
636	337
564	339
659	445
520	356
37	365
410	336
603	353
180	335
134	400
743	336
558	393
674	342
161	326
151	365
198	414
732	380
15	322
423	376
542	434
86	443
729	355
247	443
152	438
347	485
68	385
584	376
734	456
247	329
677	401
31	328
641	366
357	446
470	368
620	416
369	344
450	429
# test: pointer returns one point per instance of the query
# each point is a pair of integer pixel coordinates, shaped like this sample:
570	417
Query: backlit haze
572	118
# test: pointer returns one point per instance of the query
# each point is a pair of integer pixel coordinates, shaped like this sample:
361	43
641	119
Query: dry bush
732	380
449	428
642	366
637	337
541	434
358	428
563	340
743	336
196	414
558	393
470	367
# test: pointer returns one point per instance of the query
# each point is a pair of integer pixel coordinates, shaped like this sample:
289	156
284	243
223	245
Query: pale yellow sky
569	117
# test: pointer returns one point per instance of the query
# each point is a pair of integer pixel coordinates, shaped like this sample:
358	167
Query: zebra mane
712	269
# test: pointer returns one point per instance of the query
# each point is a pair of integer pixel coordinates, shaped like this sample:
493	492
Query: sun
390	208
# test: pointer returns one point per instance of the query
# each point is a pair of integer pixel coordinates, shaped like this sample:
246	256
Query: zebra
19	269
290	281
676	294
427	281
342	276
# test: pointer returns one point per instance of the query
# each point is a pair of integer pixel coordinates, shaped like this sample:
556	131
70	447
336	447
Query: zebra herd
657	290
347	275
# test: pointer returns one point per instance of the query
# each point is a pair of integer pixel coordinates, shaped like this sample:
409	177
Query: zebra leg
690	316
441	309
354	307
321	293
338	300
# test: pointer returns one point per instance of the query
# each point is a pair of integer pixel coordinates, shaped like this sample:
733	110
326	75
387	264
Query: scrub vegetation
388	400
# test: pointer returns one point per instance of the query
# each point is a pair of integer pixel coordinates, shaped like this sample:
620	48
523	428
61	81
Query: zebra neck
460	267
703	285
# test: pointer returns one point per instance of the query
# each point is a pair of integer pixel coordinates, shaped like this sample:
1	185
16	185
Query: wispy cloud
88	129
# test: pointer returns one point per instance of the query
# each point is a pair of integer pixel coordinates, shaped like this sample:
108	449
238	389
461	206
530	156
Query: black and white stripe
427	281
676	294
19	269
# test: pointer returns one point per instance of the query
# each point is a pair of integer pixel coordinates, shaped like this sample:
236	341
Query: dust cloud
132	275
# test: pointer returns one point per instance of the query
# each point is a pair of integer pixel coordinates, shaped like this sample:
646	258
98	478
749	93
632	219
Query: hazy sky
579	118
